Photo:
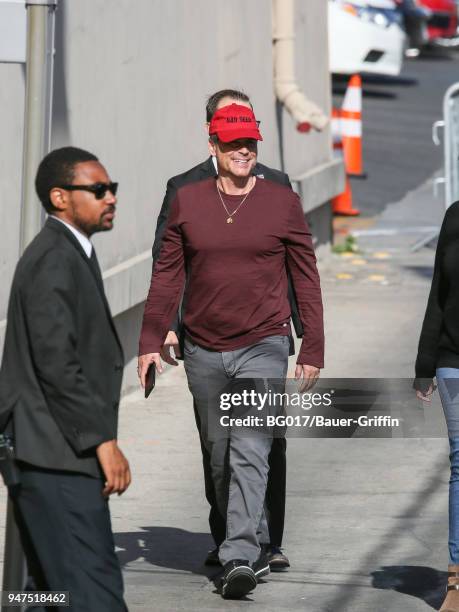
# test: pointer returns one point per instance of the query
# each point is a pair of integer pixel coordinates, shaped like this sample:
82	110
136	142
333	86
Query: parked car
415	19
442	19
365	36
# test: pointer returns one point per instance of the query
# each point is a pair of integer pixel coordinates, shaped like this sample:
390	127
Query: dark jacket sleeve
280	177
171	190
287	180
426	360
296	319
161	224
49	304
431	328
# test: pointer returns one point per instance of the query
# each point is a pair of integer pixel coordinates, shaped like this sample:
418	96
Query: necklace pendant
229	220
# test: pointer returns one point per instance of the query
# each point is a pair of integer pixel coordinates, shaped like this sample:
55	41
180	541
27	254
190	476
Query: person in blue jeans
438	355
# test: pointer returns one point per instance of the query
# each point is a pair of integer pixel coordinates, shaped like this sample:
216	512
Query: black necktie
94	264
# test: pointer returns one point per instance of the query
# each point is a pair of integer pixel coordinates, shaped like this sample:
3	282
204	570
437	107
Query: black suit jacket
60	378
201	172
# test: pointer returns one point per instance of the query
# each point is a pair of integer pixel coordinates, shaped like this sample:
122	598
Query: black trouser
275	491
66	533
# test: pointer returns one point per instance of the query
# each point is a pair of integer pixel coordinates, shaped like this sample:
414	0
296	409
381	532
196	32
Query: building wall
12	87
131	79
303	152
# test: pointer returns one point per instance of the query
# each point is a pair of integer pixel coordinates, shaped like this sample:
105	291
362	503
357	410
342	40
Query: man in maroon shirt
275	489
232	239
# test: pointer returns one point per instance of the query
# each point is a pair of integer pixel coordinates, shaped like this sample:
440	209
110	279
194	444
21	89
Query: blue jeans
448	388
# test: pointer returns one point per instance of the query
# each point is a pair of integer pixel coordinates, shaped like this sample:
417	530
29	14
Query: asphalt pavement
398	113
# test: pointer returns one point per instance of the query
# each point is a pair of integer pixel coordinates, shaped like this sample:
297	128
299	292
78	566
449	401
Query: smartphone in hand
150	379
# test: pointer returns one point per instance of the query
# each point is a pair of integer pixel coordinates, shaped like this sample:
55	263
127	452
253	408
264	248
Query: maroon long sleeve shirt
236	273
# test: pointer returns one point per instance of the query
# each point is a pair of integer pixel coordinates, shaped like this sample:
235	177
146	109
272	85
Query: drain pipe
38	104
288	92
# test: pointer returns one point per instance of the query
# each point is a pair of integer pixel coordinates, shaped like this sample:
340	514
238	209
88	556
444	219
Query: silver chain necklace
231	215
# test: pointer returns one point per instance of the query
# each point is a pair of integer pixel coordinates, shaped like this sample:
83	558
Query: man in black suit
60	385
275	493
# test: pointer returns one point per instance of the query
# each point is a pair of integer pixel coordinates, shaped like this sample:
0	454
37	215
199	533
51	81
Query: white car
365	36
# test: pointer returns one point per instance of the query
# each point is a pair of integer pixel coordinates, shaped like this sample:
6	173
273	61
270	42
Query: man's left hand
308	375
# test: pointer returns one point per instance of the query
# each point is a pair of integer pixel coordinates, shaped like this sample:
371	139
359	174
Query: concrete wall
131	79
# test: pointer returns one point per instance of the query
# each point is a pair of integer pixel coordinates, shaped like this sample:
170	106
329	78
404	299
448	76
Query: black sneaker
238	579
212	557
261	565
278	562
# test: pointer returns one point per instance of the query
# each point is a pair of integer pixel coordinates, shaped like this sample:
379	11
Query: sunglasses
98	189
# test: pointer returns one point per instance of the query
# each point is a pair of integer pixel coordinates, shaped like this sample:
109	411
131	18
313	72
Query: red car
442	18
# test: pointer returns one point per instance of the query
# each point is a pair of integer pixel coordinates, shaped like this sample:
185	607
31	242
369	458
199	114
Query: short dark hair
58	168
214	99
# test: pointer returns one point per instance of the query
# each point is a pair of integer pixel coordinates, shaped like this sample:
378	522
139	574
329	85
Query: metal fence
450	125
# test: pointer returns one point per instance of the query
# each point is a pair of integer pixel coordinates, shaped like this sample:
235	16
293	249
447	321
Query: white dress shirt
82	239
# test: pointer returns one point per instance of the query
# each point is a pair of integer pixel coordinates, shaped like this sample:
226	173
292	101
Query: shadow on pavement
421	271
346	596
167	547
340	89
424	583
380	79
437	54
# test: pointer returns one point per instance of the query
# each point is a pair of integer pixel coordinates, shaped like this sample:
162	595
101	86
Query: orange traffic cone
342	204
351	126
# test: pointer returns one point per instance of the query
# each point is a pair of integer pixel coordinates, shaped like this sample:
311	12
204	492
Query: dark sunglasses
98	189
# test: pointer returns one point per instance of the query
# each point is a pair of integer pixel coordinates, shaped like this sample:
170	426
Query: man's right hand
115	467
143	364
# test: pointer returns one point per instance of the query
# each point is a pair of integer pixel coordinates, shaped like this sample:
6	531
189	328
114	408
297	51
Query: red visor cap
233	122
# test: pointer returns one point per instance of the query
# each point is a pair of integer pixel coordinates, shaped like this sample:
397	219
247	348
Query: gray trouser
239	460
